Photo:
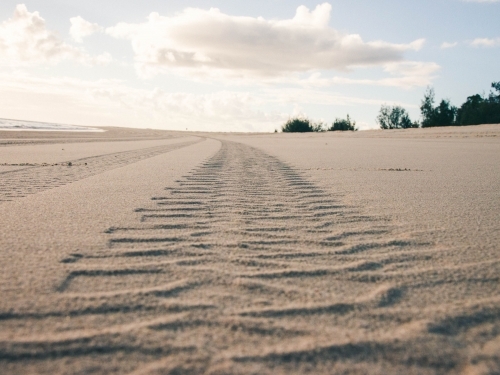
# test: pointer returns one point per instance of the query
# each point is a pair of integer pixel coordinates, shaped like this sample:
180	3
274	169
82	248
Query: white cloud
211	43
112	102
300	96
481	1
102	59
405	74
81	28
410	74
25	40
485	42
447	45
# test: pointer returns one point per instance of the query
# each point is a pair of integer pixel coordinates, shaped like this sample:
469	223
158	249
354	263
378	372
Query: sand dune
375	252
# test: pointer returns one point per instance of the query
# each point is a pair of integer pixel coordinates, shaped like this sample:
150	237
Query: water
20	125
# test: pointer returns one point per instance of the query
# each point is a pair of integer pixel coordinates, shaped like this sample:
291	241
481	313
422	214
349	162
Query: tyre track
31	180
254	257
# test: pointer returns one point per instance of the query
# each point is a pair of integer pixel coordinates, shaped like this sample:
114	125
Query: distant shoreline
25	125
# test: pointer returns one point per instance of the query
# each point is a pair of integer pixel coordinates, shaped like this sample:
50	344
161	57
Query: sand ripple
247	267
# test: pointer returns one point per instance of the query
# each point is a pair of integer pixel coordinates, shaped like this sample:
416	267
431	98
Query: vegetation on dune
343	125
442	115
394	118
481	110
301	125
477	109
305	125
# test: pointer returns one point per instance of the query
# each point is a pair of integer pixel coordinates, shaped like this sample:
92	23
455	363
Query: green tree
343	125
427	108
481	110
443	115
471	112
495	98
394	118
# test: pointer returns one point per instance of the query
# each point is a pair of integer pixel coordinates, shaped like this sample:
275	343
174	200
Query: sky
240	66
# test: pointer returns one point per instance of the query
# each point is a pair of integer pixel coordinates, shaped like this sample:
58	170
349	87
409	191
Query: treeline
477	109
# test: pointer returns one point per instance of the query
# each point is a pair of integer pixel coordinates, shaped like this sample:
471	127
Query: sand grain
255	254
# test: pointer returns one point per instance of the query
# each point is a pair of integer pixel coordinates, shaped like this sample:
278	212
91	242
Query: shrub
297	125
394	118
301	125
319	127
343	125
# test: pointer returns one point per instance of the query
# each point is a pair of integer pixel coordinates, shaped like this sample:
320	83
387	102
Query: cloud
485	42
405	74
80	28
481	1
209	43
112	102
108	102
447	45
410	74
301	96
25	40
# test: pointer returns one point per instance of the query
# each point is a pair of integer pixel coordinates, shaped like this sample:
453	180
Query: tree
480	109
394	118
301	125
343	125
471	112
427	108
443	115
493	97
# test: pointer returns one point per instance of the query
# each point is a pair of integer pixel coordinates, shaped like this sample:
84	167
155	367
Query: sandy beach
155	252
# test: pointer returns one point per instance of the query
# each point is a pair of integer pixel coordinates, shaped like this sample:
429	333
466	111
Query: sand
149	252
